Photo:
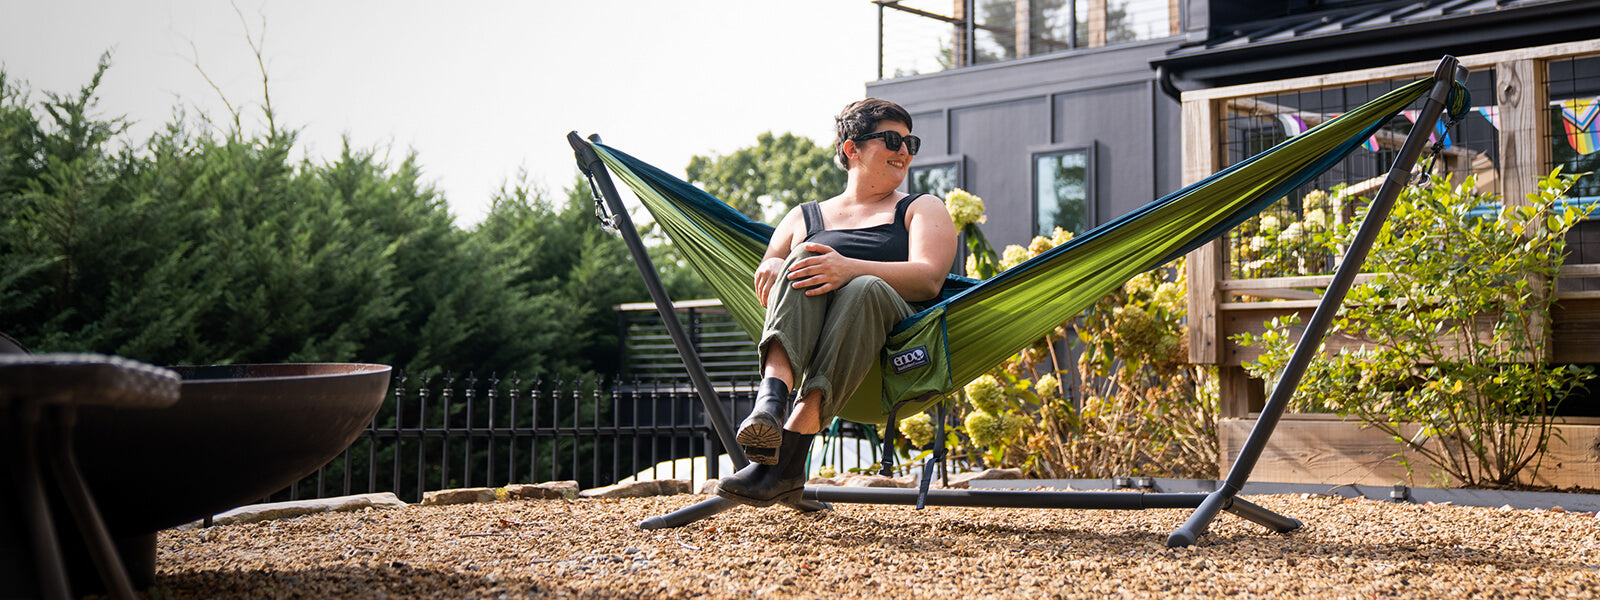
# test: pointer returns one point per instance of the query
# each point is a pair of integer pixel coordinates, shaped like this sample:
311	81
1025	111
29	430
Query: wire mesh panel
1575	122
1574	142
1287	239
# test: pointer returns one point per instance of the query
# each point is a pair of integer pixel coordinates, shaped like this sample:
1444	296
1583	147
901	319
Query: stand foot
708	508
1192	529
704	509
1227	499
806	506
1254	513
1181	539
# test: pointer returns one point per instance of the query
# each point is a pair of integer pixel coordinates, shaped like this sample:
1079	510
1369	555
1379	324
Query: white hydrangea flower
985	393
1047	386
1293	233
1270	224
965	208
918	429
1013	256
1060	236
1142	282
1317	218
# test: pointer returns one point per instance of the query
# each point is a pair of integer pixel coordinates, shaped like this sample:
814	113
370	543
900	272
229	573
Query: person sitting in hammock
835	279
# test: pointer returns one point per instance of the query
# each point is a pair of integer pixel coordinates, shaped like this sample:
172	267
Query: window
1063	187
936	179
1056	25
1127	21
925	36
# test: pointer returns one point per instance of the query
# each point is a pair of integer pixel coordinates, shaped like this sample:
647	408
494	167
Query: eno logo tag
906	360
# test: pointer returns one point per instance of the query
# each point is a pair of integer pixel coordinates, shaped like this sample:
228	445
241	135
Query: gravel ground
591	549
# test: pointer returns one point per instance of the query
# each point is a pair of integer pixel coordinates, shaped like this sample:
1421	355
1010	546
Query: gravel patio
590	548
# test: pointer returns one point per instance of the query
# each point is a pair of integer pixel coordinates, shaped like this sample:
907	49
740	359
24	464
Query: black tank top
889	242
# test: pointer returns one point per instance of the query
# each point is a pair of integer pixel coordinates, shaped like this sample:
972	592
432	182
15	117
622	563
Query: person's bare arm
778	248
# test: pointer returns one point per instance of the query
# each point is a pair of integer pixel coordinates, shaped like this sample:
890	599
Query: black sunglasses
892	139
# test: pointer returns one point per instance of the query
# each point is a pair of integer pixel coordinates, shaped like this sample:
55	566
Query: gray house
1072	113
1067	113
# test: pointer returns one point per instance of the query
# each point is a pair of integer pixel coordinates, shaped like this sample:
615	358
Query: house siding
996	117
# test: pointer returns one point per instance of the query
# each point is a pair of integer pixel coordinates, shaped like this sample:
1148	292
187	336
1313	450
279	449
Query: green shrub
1454	330
1128	404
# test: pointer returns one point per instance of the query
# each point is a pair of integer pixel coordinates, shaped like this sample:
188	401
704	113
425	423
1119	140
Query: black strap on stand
891	430
937	460
1205	506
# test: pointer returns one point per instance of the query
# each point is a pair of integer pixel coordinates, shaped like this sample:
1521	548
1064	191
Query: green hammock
978	324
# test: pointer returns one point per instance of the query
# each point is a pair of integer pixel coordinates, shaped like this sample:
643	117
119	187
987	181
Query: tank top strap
813	215
901	207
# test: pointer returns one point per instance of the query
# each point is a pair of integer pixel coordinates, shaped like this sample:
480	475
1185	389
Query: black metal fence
448	432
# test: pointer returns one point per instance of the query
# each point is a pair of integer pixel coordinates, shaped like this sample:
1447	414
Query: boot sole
761	456
761	440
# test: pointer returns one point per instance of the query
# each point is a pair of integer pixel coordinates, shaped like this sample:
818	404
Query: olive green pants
832	339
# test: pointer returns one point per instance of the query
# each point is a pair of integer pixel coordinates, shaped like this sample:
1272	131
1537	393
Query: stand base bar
1006	498
1206	506
1254	513
1228	500
706	509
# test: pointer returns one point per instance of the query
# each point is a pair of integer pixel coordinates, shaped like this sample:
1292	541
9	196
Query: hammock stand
1206	506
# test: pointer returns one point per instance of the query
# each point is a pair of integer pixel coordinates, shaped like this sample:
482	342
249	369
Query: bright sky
477	88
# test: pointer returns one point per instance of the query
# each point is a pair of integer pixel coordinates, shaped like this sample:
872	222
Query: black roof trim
1350	36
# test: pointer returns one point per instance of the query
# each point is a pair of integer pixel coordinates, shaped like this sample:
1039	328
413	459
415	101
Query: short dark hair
860	118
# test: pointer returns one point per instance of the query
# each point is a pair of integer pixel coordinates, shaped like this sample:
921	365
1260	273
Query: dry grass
591	549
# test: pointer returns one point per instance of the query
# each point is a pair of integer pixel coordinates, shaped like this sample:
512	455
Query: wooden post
1097	23
1524	152
1524	99
1205	265
1024	26
963	31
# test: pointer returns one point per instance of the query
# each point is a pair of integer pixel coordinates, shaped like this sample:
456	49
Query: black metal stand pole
720	421
1311	341
596	169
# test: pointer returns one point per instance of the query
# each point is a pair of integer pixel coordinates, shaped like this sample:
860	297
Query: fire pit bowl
236	434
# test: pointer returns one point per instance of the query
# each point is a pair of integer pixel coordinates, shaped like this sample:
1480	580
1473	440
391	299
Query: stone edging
283	510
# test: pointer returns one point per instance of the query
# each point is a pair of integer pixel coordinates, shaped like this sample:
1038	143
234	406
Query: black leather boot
765	485
760	432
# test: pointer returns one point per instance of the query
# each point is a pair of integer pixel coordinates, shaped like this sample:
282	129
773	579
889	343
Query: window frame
1090	185
959	161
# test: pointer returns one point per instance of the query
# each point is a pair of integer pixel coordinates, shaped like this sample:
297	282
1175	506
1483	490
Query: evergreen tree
564	262
202	248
